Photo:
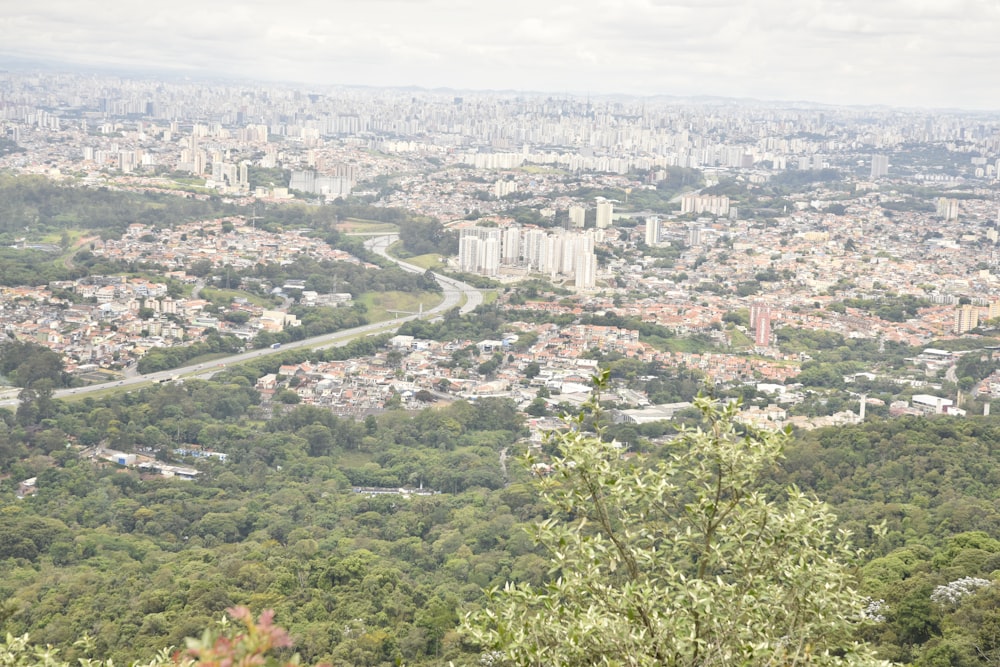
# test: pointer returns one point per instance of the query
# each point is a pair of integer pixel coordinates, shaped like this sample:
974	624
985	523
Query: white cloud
907	52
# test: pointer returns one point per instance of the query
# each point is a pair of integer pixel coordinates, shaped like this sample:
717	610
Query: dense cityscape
178	254
723	221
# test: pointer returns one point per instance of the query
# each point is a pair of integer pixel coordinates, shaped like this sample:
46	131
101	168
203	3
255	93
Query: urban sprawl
725	227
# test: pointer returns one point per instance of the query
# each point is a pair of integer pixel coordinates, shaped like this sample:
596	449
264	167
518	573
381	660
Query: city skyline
912	54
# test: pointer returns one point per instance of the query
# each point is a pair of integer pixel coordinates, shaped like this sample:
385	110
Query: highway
453	291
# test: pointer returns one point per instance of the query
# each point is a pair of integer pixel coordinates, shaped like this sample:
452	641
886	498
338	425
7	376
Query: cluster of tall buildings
498	131
604	214
717	205
232	176
947	208
336	184
967	315
570	255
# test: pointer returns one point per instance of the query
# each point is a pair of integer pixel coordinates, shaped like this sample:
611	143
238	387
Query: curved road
453	291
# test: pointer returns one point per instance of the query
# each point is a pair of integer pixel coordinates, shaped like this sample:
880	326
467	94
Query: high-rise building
244	177
605	209
947	208
966	318
510	249
553	255
652	231
880	166
479	250
694	236
577	216
993	310
585	267
760	322
717	205
503	188
570	250
533	245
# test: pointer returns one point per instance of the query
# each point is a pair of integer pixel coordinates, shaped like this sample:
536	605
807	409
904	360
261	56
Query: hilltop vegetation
358	579
140	563
36	205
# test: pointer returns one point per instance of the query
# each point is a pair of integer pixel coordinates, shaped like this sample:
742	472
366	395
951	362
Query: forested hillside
931	484
139	561
37	205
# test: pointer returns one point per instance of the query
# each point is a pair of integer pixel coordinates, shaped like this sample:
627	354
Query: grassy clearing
224	297
394	250
429	261
380	303
55	238
203	359
195	185
739	339
102	394
353	458
361	226
537	169
489	296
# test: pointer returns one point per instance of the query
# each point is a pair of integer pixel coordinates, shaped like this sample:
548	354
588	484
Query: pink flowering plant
242	642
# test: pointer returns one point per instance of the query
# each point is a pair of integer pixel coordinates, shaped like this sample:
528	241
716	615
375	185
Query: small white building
934	405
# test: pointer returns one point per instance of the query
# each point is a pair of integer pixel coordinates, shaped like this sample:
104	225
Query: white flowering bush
873	610
952	593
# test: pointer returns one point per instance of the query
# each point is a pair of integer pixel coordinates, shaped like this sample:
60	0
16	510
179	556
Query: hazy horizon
846	53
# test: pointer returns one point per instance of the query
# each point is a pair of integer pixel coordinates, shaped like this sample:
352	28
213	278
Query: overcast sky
926	53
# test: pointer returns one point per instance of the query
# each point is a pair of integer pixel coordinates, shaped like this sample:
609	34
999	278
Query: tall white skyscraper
880	166
585	264
552	263
479	250
577	216
947	208
570	250
652	231
604	211
468	253
533	252
694	235
511	248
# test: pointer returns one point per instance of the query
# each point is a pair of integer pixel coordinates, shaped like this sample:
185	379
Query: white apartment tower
533	251
510	251
484	250
717	205
479	250
966	318
577	216
947	208
585	268
652	231
880	166
552	256
604	211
